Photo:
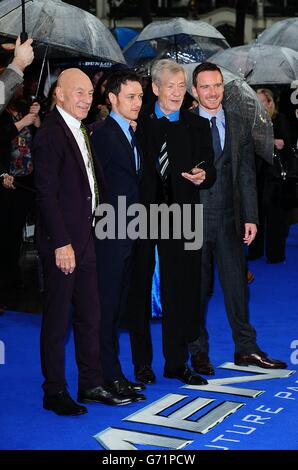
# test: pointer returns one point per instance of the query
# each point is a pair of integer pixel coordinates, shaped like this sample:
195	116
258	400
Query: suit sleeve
8	83
48	159
247	182
100	144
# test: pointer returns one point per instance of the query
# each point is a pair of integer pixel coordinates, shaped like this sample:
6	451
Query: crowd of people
159	153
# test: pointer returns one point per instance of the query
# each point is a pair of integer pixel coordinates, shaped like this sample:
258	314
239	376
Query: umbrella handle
23	36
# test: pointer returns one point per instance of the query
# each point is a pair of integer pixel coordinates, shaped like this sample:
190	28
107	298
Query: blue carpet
268	421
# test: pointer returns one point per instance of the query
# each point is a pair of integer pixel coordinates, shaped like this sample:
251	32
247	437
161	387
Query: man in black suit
169	140
118	153
230	218
68	190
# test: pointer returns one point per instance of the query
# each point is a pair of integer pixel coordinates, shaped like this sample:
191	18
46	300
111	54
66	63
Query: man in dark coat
174	142
230	218
68	190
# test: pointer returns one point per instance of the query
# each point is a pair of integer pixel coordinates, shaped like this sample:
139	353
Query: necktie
215	138
163	163
134	145
86	137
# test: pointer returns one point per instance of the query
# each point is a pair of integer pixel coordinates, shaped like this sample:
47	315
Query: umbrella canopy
283	33
182	40
260	64
65	29
241	99
6	6
124	35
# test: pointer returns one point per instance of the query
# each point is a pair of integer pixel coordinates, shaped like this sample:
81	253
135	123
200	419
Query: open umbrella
282	33
182	40
6	6
241	99
260	64
63	30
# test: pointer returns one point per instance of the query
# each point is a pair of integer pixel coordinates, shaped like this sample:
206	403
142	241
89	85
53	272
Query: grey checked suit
228	204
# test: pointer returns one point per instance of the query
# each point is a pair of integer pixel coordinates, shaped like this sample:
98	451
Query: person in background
13	75
273	227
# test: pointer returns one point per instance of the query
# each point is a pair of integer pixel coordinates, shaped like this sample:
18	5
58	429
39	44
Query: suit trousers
223	245
60	291
114	274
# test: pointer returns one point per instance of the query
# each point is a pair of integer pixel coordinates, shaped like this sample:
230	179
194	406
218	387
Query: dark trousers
60	291
114	273
15	204
223	245
179	290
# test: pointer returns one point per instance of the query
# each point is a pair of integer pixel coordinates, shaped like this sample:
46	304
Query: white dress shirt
75	127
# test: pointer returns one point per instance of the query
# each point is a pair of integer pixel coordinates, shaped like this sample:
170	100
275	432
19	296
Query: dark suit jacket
188	143
64	203
116	157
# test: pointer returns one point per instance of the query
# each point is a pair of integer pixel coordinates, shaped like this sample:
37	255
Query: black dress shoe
186	375
62	404
201	364
102	395
137	387
259	359
145	374
123	389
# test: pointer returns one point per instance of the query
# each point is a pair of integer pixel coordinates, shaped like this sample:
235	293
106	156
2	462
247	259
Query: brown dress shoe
202	365
259	359
249	277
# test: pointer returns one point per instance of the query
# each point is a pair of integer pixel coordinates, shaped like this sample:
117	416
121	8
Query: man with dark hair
230	218
120	157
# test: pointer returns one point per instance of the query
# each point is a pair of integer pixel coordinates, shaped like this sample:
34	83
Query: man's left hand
197	176
250	233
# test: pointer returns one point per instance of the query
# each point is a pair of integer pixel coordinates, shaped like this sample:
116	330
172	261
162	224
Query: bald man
68	191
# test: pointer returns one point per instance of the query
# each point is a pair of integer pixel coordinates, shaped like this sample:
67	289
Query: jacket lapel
73	143
121	137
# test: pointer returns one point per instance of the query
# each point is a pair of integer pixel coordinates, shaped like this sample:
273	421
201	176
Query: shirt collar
123	123
220	115
68	118
172	117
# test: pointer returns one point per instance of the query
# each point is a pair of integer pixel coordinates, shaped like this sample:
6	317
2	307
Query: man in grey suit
13	75
230	218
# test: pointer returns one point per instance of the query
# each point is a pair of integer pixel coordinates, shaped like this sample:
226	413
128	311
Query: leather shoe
102	395
123	389
259	359
202	365
186	375
137	387
145	374
62	404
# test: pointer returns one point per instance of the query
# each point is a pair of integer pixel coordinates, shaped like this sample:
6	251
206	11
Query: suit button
88	198
89	218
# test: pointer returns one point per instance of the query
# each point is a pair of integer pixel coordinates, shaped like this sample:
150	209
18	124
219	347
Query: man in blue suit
69	187
119	155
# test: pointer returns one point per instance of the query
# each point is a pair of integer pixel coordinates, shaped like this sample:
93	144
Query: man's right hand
65	259
23	54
